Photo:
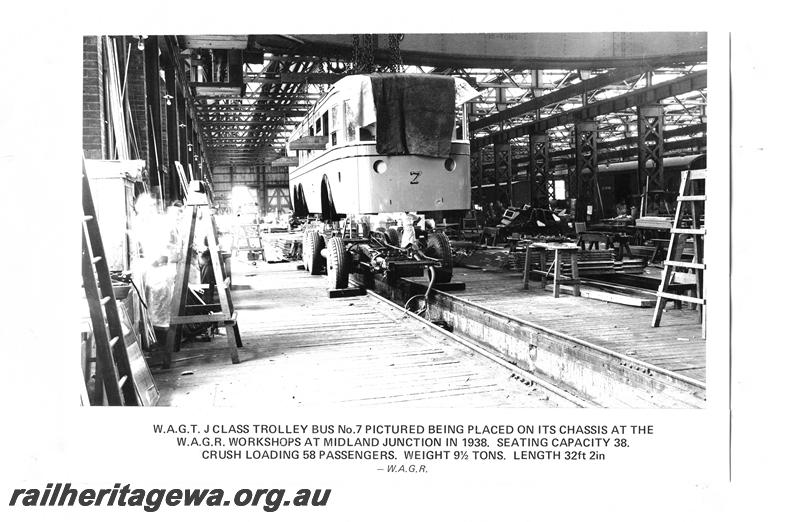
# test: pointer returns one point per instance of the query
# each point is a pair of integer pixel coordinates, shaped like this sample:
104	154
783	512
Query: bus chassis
342	251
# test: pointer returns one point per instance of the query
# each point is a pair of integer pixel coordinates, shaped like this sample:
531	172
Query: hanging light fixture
140	44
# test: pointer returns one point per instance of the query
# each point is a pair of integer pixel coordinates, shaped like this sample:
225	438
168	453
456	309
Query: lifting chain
363	53
396	61
356	56
368	53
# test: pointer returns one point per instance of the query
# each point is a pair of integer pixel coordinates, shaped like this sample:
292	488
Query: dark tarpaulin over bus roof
415	114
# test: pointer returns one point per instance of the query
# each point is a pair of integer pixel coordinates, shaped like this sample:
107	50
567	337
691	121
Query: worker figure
207	273
159	244
409	233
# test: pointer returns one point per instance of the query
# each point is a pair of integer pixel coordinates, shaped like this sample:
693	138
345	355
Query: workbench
559	250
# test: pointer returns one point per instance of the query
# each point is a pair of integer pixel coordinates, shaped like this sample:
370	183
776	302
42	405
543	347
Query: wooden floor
302	348
676	345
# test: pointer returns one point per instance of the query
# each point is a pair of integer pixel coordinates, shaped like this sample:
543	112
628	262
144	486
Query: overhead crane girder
585	50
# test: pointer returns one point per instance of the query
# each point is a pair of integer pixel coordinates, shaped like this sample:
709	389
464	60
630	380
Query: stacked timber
629	266
590	262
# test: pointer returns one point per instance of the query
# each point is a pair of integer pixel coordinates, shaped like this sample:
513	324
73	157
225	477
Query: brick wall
94	110
94	139
137	98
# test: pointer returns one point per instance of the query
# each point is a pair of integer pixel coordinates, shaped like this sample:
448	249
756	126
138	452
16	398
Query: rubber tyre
394	237
439	247
300	209
338	267
315	260
306	249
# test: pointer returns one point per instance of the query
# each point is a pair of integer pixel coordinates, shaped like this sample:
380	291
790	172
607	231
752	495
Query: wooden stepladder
248	233
113	370
676	271
181	313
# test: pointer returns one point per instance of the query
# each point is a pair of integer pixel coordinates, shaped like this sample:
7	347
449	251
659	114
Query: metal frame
503	170
540	176
651	151
281	81
584	178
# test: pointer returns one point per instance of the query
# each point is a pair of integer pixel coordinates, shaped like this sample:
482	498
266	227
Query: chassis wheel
337	264
439	247
316	263
307	250
300	206
394	237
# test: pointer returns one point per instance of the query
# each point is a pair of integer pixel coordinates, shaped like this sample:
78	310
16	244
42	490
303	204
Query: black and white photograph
412	261
487	220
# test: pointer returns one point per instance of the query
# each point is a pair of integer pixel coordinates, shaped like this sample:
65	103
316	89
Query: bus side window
335	117
350	124
334	124
367	133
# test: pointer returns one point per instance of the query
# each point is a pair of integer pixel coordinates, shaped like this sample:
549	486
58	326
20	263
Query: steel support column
189	142
171	182
502	169
585	177
651	152
152	80
540	177
182	135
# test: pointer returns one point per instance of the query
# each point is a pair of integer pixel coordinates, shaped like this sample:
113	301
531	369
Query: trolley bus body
352	162
350	175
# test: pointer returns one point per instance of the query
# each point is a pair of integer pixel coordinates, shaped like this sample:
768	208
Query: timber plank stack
590	262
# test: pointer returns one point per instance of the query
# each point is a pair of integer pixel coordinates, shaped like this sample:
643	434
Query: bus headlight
450	164
379	166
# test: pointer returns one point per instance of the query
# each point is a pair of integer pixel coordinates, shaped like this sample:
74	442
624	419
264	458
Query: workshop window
560	187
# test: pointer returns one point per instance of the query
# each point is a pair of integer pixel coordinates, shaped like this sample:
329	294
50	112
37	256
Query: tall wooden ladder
181	313
113	371
691	199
